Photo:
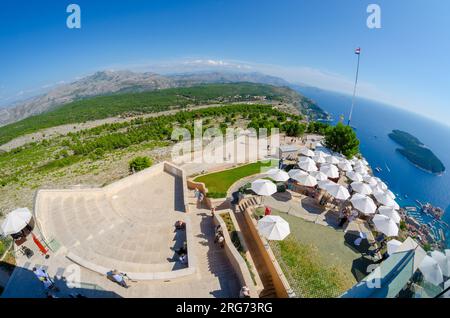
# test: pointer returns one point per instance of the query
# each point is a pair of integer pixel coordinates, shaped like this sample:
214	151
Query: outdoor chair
27	252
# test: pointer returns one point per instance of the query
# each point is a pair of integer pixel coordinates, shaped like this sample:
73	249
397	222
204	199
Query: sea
373	121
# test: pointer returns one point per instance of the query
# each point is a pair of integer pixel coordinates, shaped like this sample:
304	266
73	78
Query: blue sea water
373	122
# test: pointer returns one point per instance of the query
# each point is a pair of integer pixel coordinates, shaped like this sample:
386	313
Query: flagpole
354	92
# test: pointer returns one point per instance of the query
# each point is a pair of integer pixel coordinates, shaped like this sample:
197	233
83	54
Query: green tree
140	163
342	139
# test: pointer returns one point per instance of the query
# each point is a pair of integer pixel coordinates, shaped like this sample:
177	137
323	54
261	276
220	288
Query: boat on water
378	169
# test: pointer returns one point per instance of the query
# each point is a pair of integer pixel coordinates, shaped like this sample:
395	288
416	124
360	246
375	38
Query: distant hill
128	104
416	152
111	82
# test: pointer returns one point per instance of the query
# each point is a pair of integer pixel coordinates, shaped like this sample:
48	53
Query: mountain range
111	82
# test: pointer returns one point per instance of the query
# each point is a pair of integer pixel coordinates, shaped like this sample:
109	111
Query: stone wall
281	285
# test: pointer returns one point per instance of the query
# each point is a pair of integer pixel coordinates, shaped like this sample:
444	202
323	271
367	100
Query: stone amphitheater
129	226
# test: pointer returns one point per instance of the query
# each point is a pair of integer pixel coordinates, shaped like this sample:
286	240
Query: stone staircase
246	203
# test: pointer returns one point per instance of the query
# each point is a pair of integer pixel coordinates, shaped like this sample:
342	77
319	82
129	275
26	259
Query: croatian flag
358	51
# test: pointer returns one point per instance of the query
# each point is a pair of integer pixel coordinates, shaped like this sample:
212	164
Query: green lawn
218	183
315	258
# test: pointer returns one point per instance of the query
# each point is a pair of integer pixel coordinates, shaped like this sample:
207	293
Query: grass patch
311	277
220	182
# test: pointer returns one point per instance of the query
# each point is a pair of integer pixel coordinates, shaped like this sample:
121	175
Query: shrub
140	163
342	139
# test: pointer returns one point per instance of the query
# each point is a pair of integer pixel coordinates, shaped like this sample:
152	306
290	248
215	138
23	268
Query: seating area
129	228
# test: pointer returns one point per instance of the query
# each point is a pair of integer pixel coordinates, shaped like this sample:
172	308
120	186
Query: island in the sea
416	152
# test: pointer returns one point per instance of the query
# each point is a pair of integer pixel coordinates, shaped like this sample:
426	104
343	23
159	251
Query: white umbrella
447	254
307	164
392	246
330	170
419	252
279	175
273	227
294	172
320	154
345	166
370	180
319	159
354	176
385	225
361	187
308	180
391	194
382	186
319	175
305	151
431	271
16	221
263	187
360	170
324	184
332	159
337	191
441	259
363	203
390	212
385	199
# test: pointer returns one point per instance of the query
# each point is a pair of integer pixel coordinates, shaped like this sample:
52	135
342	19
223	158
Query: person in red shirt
267	211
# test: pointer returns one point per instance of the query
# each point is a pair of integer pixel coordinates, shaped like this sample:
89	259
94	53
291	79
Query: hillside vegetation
147	102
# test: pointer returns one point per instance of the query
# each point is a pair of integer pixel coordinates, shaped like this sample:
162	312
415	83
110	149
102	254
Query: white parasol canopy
332	159
390	212
441	259
296	172
360	169
16	221
319	175
345	166
354	176
337	191
319	159
392	246
385	225
391	194
306	180
293	172
307	164
278	175
320	154
330	170
382	186
305	151
263	187
385	199
273	227
361	187
370	180
431	271
363	203
324	184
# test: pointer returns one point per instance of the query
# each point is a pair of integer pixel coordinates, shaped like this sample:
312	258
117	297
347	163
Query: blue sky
404	63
